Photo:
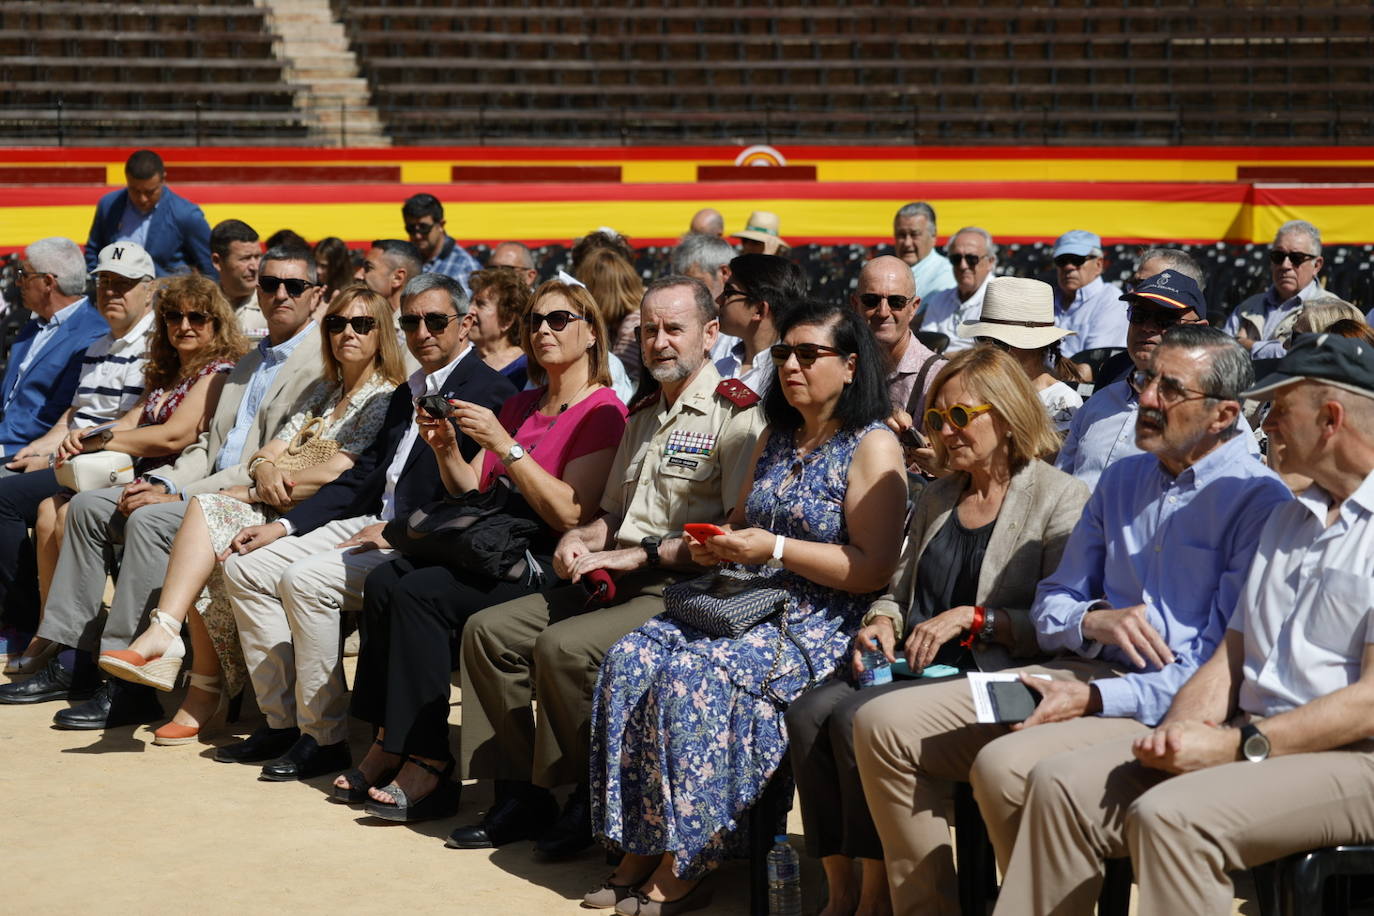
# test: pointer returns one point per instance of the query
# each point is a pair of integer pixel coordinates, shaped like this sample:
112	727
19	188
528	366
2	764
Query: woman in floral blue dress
687	729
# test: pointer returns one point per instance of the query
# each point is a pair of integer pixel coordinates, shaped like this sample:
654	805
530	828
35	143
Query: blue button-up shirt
1096	315
452	260
258	385
47	330
133	225
1181	546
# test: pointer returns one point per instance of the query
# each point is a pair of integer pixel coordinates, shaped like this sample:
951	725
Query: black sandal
356	793
442	802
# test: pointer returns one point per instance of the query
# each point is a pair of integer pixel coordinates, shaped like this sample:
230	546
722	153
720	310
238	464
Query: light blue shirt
258	385
133	225
1179	545
1103	431
47	330
943	313
1096	315
932	274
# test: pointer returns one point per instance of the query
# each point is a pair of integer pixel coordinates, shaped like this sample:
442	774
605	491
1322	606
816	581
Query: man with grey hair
913	240
45	359
708	221
515	256
973	256
289	580
707	258
1295	259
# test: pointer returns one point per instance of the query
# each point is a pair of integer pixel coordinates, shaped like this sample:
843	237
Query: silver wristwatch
1254	746
515	454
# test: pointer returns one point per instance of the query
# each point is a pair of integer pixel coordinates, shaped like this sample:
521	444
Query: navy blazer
50	384
358	491
178	235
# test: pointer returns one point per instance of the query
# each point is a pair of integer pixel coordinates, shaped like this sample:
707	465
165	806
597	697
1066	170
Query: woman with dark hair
334	265
499	298
760	288
980	540
687	729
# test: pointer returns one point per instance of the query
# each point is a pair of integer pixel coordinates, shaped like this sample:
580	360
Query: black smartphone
911	437
436	405
1012	701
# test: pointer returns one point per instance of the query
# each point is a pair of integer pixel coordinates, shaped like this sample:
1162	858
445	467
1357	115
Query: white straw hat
1018	311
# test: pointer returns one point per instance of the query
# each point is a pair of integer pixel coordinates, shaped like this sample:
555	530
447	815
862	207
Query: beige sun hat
1018	311
762	226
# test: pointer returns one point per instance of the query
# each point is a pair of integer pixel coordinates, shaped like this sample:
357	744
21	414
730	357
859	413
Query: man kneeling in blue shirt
1142	597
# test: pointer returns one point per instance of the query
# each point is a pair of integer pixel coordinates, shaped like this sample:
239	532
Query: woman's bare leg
664	885
635	869
844	891
188	569
199	705
874	899
374	764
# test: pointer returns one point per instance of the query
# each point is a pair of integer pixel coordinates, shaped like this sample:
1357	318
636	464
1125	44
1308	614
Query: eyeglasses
969	260
361	324
174	318
1149	316
20	274
1171	390
434	322
1073	260
729	293
1298	258
806	353
294	286
558	320
993	342
959	416
870	301
417	229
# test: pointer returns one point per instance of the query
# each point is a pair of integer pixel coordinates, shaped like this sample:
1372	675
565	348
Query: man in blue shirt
1084	302
1149	579
439	254
171	228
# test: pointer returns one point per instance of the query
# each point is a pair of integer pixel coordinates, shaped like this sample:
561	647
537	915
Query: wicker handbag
726	602
308	447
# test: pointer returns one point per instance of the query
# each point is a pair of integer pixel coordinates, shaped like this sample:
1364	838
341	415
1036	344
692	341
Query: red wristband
979	615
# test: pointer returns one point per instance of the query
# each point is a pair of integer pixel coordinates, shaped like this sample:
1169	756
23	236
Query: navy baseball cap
1342	362
1172	290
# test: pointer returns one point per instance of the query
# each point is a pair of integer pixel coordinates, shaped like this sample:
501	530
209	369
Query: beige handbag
95	470
308	447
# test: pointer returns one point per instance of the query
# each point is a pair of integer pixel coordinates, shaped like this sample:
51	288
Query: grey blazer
1039	511
194	471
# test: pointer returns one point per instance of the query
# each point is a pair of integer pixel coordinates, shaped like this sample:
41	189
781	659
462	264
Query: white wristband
778	542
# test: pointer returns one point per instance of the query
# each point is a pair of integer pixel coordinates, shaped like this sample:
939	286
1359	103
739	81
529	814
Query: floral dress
688	729
158	409
226	516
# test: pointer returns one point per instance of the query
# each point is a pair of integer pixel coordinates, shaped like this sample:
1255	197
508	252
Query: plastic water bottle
784	879
877	669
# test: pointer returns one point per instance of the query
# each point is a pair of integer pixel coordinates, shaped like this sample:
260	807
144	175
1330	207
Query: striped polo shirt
111	376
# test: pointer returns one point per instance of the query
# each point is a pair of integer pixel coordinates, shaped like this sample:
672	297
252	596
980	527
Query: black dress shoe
113	704
264	744
572	832
520	817
307	759
53	682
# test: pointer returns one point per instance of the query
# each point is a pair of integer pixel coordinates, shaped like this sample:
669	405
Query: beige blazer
193	471
1040	509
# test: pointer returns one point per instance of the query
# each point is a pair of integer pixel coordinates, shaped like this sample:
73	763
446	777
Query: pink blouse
590	425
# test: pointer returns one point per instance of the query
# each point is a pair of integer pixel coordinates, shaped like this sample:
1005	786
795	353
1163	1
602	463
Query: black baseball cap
1171	289
1342	362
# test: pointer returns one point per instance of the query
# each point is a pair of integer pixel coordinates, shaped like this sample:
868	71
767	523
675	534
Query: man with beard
683	458
1149	579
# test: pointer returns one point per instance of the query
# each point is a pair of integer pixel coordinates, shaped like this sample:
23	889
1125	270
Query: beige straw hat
762	226
1018	311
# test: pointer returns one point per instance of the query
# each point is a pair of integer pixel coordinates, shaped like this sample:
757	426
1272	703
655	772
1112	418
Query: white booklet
980	683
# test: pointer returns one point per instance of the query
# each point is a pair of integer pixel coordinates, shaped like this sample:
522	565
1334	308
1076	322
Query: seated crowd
569	491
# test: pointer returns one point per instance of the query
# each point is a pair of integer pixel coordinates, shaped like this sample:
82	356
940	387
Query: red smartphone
700	531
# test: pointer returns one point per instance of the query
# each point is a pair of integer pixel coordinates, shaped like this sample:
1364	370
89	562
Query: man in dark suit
289	579
171	228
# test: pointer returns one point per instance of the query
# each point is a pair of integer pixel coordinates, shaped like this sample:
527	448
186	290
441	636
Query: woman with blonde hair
980	540
553	446
339	416
617	289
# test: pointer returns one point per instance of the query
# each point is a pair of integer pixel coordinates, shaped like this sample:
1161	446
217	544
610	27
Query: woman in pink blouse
554	445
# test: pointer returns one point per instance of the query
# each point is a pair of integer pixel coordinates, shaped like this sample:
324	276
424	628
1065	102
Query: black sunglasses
1162	318
362	324
414	229
558	320
1277	256
807	353
174	318
870	301
969	260
294	286
993	342
434	321
1072	260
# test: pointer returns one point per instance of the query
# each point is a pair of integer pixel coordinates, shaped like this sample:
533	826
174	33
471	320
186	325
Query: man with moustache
1150	576
683	458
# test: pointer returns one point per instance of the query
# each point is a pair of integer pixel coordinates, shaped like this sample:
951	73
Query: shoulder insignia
645	401
737	393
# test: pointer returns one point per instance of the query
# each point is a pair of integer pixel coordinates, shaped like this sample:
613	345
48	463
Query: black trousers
820	734
405	662
20	495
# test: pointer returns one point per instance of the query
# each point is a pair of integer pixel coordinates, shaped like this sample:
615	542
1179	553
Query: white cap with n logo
128	259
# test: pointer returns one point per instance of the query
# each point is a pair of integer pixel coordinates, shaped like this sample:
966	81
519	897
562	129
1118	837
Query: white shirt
1061	403
1095	314
759	374
111	376
932	274
1305	612
943	313
420	385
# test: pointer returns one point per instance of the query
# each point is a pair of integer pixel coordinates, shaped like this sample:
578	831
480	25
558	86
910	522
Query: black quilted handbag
725	602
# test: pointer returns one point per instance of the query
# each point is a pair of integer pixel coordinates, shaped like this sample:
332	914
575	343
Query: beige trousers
287	598
911	747
1184	833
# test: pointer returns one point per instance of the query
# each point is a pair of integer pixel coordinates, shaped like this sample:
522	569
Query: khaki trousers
911	747
1184	833
287	598
549	646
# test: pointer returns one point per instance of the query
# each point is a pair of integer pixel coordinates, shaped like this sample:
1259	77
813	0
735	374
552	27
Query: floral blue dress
687	729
